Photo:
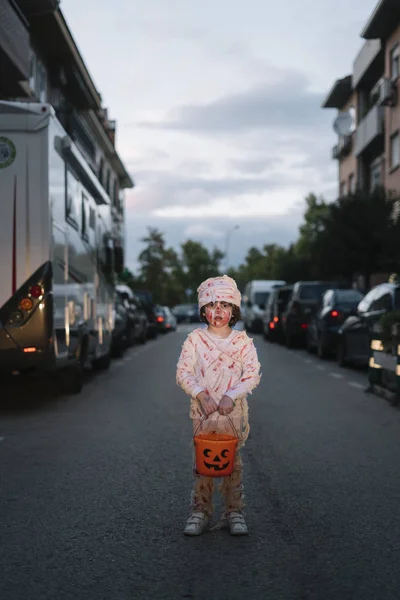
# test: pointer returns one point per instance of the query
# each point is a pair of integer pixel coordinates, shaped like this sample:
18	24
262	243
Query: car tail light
276	319
29	350
336	314
160	319
26	304
304	325
272	325
36	291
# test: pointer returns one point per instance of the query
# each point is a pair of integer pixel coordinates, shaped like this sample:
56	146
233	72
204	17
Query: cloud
212	232
254	166
282	104
169	192
201	231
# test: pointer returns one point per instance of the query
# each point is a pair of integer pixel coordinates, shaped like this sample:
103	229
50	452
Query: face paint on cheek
218	317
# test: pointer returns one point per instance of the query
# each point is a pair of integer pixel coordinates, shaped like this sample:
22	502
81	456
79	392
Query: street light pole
228	238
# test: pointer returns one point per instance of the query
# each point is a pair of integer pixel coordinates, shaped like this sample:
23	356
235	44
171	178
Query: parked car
166	321
255	296
336	305
354	337
119	339
301	307
186	313
138	324
170	319
274	309
149	307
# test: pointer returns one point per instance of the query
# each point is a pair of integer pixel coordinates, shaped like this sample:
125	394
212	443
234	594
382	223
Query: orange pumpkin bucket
215	453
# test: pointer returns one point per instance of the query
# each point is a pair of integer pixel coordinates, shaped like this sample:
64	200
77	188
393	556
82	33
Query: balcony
343	148
369	64
369	130
14	48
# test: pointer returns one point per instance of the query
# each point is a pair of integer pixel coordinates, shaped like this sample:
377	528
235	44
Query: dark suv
305	299
355	335
137	319
149	308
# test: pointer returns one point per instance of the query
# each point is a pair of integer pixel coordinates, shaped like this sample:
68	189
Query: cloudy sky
218	109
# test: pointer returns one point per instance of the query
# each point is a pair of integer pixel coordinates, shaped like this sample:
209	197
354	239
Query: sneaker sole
237	533
189	534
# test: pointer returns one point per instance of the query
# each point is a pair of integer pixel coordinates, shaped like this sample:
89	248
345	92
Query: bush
386	323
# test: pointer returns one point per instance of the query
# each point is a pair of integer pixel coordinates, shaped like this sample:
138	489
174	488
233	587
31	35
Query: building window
375	174
115	194
394	62
343	189
352	184
84	217
394	150
38	78
101	171
108	181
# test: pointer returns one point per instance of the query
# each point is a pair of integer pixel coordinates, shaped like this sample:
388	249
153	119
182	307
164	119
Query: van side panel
24	223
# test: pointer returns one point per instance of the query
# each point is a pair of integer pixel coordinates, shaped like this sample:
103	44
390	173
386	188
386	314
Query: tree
128	278
197	263
311	231
360	236
156	265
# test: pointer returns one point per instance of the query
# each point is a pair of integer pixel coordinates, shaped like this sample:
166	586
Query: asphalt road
95	489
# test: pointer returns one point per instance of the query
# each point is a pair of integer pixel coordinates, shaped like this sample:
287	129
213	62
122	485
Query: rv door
60	290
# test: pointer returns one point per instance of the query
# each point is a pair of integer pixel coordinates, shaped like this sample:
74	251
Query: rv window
92	218
73	201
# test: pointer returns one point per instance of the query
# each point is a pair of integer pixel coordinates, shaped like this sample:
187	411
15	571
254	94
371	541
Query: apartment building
368	107
40	62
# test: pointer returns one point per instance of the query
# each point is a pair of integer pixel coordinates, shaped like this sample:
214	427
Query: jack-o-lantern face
217	460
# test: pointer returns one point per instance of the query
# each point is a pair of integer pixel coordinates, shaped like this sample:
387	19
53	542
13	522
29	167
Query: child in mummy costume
218	367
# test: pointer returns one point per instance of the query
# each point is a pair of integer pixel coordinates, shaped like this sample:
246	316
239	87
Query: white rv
57	254
255	297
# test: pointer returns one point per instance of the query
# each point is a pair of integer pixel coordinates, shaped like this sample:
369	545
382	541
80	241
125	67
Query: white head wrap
223	289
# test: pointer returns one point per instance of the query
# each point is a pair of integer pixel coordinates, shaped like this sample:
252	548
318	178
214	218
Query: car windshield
284	296
348	297
261	298
312	292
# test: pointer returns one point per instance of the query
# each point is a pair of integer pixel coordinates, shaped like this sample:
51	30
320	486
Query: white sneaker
196	523
237	524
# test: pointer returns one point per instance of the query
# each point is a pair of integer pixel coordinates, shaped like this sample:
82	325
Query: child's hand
207	404
225	406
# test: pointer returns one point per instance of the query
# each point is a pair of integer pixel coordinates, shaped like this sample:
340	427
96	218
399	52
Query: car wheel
289	340
309	347
103	363
341	353
118	348
321	350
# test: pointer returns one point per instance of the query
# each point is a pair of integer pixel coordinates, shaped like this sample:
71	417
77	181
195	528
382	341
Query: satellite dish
343	123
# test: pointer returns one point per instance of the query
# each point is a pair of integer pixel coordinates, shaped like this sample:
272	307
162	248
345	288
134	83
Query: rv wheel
103	363
71	379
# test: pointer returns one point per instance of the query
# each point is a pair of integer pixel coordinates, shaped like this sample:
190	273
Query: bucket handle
198	428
